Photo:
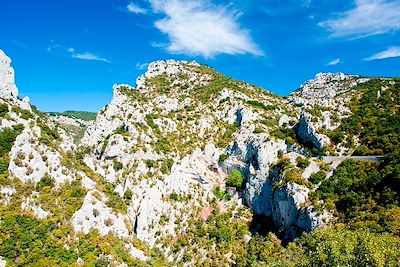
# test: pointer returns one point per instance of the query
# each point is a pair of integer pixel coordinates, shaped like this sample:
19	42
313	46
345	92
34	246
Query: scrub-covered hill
192	168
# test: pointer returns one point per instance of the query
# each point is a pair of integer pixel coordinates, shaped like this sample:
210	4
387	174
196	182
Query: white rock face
324	88
3	263
30	160
307	133
136	253
94	214
6	193
8	89
168	67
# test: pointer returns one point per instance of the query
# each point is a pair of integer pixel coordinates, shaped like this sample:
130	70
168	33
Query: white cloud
65	51
141	66
335	62
199	28
368	17
388	53
89	56
133	8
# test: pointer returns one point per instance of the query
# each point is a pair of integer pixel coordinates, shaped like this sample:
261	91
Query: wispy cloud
334	62
141	66
388	53
200	28
89	56
368	17
72	52
134	8
19	43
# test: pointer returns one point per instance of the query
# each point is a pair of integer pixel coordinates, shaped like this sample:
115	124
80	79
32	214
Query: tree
235	179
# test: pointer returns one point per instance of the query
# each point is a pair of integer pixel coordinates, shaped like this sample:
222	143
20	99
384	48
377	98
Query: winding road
329	159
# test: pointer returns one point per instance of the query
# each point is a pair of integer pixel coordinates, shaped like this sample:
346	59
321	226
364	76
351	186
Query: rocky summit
191	168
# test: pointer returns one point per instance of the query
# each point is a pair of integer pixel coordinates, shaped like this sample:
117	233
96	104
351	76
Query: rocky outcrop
8	89
31	161
94	214
307	134
171	68
161	149
324	89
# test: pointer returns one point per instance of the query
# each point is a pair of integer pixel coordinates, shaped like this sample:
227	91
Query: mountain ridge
191	167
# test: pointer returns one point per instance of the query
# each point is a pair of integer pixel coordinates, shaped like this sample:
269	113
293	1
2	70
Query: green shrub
4	166
317	177
235	179
150	163
128	195
302	163
221	195
150	122
118	166
223	157
258	130
174	196
46	181
166	166
121	130
336	247
7	138
162	146
287	134
361	150
261	105
3	109
48	135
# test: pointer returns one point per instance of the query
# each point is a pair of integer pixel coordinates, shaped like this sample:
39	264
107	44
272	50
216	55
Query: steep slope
181	132
42	185
192	168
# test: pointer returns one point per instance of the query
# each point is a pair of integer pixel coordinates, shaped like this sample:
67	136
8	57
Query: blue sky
68	54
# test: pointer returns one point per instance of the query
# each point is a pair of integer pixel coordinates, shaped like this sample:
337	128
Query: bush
317	177
235	179
258	130
162	146
302	163
361	151
118	166
4	166
222	158
150	163
334	247
174	196
149	120
46	181
221	195
48	135
261	105
166	166
121	130
3	109
7	138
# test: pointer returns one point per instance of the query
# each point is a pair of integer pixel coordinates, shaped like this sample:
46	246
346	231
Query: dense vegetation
375	118
81	115
363	196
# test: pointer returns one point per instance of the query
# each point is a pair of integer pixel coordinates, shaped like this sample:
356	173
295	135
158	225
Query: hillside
79	115
192	168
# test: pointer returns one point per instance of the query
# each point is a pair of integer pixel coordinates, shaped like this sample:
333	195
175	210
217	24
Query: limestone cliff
157	158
